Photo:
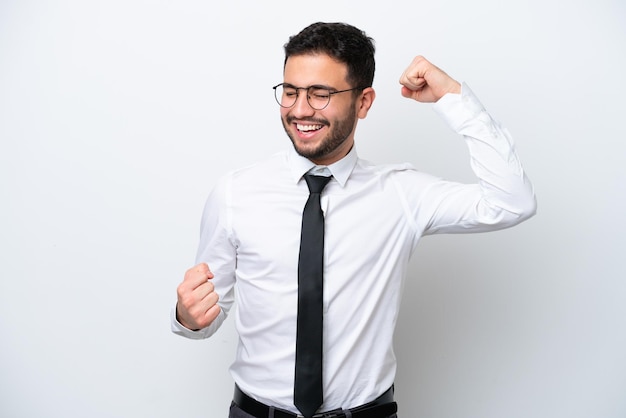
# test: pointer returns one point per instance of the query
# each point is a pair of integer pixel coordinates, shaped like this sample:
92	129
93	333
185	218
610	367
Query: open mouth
308	128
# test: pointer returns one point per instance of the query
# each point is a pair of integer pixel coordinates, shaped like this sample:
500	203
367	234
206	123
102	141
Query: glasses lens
318	98
286	96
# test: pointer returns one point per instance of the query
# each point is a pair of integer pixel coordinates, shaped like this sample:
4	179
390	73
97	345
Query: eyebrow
315	86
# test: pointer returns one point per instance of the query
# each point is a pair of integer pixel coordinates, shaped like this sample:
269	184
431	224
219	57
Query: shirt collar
340	170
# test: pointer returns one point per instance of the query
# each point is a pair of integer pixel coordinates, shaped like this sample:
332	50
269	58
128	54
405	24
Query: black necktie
308	377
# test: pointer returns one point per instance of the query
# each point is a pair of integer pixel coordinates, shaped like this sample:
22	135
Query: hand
424	82
197	301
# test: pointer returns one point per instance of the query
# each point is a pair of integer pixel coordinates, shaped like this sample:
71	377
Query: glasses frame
331	93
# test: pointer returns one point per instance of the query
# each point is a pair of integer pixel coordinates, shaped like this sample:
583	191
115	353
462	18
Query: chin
308	153
306	149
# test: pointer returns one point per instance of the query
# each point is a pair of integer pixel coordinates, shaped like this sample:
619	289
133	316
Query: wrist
180	320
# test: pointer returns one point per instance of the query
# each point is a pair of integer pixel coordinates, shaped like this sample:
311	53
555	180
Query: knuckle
181	290
187	299
213	298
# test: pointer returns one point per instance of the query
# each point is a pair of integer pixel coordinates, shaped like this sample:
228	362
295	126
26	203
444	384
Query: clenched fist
197	301
424	82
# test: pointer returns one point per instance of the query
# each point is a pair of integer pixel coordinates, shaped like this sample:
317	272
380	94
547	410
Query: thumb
408	93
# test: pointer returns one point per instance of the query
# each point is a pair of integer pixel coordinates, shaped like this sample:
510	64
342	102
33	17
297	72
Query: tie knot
316	183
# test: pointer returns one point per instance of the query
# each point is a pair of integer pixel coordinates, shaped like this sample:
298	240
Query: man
374	217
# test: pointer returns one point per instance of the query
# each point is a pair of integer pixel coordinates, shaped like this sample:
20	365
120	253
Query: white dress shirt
375	216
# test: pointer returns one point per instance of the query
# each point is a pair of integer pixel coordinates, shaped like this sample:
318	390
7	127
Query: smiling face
323	136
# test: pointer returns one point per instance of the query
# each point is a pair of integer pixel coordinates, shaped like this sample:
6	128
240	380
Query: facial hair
339	131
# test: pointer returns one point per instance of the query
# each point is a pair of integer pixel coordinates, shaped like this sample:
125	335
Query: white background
116	117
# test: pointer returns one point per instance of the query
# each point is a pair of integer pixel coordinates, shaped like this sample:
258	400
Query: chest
359	226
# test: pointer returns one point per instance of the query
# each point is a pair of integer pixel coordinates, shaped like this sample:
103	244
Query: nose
302	107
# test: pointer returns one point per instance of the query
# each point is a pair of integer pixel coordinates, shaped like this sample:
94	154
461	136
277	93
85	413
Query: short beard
336	136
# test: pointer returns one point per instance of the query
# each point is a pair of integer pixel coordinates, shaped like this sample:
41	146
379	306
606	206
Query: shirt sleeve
503	195
215	248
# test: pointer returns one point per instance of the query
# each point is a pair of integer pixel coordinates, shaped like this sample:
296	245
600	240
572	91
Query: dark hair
343	42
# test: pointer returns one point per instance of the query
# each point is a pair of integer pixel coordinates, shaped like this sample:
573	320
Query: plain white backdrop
116	117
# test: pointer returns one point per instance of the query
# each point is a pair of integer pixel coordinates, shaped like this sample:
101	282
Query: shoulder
257	172
251	181
266	165
391	170
402	177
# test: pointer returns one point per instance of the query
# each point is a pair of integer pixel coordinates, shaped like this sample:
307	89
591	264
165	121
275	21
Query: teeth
308	127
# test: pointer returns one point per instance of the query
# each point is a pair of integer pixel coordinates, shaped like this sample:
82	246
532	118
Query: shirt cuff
179	329
457	109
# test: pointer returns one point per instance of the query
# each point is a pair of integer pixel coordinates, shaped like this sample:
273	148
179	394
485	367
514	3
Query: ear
365	102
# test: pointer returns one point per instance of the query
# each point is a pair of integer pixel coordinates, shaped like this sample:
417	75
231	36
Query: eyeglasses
318	97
